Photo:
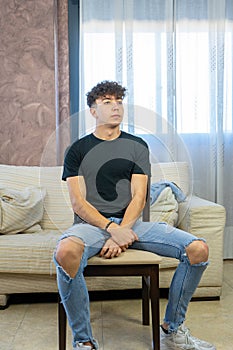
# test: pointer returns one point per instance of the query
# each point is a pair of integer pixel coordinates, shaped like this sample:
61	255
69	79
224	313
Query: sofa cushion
33	254
177	172
58	214
20	210
26	253
165	208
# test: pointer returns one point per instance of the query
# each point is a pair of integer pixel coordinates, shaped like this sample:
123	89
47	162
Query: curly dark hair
104	88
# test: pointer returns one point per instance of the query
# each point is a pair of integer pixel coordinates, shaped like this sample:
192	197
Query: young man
106	174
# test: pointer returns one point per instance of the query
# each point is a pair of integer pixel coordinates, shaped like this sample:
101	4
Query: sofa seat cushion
28	253
33	254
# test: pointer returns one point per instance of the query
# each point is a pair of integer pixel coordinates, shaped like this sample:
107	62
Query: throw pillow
21	210
165	208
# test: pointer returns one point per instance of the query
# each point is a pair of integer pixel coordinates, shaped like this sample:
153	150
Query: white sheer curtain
204	40
175	57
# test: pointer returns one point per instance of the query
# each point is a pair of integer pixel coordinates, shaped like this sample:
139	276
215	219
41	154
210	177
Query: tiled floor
117	324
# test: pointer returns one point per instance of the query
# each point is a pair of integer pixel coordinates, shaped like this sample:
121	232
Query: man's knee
197	252
69	253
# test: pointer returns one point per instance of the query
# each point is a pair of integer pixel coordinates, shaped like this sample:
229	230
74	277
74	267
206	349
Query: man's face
108	110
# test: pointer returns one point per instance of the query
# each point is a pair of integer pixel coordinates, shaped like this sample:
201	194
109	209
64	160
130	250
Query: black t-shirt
107	168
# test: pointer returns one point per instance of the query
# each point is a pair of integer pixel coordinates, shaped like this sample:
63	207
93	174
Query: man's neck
108	134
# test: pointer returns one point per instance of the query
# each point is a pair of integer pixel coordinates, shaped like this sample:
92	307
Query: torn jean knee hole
64	283
185	257
66	277
195	240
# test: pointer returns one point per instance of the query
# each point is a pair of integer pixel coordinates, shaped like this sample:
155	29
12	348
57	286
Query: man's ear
93	112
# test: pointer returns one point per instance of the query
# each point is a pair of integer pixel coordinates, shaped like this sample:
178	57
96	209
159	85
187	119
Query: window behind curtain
167	62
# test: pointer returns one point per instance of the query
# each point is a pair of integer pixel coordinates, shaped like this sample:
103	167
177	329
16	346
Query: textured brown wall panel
63	77
27	86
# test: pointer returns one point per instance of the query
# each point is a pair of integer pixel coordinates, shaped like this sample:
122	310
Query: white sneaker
81	346
182	339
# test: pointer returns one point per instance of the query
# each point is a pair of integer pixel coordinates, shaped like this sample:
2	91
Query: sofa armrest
206	219
197	215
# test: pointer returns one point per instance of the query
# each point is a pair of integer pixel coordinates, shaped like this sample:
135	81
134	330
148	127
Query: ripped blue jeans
158	238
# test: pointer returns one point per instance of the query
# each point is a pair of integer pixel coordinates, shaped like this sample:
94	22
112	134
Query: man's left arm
139	191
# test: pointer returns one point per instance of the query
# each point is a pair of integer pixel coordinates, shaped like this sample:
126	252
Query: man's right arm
123	236
81	206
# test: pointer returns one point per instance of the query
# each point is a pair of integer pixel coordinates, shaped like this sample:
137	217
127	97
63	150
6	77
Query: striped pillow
21	210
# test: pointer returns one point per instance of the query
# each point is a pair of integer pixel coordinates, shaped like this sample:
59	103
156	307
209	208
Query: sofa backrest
177	172
58	214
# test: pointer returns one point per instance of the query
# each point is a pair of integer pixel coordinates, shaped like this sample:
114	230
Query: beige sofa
26	264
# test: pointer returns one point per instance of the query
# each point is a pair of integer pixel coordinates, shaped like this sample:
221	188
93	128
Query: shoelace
187	336
188	341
